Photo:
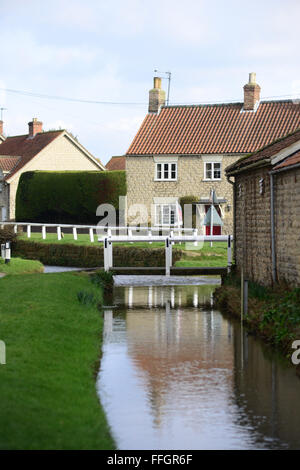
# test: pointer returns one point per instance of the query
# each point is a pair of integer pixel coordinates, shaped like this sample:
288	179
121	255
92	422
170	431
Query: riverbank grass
21	266
53	345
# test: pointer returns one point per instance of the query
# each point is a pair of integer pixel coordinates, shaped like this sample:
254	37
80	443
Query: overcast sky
107	50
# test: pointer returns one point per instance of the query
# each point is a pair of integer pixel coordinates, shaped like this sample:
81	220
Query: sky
107	51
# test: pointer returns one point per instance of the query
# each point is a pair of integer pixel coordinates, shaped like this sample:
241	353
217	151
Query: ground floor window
167	214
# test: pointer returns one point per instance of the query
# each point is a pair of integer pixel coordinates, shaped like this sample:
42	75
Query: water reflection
176	374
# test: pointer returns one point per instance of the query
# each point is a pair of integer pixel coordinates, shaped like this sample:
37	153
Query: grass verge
21	266
53	345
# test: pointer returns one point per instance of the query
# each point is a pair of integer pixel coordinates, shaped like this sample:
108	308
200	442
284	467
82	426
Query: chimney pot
251	93
157	96
35	127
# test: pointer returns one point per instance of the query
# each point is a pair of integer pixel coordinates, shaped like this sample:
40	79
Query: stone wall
253	225
287	223
142	187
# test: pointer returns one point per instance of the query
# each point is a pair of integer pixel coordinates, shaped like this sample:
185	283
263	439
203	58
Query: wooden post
92	235
229	254
28	231
167	256
195	233
7	252
58	233
44	232
110	253
74	233
150	235
105	254
15	228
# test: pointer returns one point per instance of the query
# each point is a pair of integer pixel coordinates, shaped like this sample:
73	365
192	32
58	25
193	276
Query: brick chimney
1	127
251	93
35	127
157	96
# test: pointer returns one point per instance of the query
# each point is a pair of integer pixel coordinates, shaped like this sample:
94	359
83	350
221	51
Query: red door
217	229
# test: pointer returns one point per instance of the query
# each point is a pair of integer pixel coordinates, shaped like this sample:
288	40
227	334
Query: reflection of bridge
168	240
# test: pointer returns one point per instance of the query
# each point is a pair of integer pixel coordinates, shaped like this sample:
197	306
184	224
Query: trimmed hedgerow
90	256
67	196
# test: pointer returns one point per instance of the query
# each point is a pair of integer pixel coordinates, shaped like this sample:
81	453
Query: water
176	374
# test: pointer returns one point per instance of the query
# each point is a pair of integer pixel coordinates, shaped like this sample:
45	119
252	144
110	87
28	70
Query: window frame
212	163
162	171
159	222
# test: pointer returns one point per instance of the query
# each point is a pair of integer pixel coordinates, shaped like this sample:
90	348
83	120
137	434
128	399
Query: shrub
7	234
104	279
67	196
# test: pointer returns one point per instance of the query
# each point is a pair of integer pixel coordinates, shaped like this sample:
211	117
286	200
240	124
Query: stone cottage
184	150
267	212
38	150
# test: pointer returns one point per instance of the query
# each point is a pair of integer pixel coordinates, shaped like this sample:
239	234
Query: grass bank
53	344
21	266
273	314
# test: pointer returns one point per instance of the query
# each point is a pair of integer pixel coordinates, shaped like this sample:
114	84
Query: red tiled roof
116	163
8	163
266	152
290	161
209	129
26	148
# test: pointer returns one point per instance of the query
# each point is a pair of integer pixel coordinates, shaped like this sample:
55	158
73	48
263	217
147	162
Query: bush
67	196
90	256
7	234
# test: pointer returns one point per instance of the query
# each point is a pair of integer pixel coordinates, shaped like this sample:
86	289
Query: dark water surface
177	374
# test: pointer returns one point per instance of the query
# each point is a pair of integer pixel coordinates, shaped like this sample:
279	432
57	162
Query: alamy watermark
2	352
296	354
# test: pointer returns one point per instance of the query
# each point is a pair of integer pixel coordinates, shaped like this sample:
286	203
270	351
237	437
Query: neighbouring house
116	163
183	151
267	212
39	150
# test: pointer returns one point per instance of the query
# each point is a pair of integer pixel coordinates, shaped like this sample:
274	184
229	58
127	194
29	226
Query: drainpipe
274	272
234	212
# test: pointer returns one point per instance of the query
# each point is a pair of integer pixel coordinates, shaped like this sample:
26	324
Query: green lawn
53	347
20	266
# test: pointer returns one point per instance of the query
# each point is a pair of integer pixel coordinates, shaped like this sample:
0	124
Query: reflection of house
183	150
38	150
267	208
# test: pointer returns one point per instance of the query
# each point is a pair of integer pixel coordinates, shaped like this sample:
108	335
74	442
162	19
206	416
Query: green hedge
90	256
67	196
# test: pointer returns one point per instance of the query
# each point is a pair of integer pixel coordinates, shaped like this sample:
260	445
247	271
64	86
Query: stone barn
267	212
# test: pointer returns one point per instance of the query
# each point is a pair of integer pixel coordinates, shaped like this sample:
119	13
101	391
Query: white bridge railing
99	230
169	241
131	234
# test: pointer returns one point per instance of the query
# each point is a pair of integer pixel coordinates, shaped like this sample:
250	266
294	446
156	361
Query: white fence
93	230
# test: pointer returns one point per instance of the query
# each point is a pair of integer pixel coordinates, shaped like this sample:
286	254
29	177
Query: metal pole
245	304
242	294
